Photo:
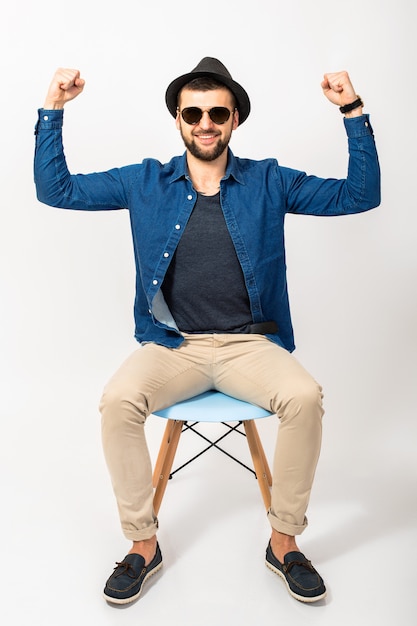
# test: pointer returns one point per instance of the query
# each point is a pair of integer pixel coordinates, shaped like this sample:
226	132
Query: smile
206	138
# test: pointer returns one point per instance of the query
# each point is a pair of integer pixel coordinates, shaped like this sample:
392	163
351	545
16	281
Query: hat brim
242	98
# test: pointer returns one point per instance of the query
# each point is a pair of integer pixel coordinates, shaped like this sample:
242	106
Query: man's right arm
55	185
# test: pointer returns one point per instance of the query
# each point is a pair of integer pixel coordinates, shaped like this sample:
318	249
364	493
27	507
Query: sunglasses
218	115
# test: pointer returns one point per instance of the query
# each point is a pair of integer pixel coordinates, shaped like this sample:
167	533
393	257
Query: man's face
206	140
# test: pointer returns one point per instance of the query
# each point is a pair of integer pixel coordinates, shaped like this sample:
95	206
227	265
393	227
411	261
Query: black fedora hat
211	68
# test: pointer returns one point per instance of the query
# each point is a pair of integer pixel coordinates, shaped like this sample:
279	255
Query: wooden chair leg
165	460
163	448
263	456
260	463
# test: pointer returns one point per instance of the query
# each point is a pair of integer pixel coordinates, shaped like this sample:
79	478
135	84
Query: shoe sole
112	600
290	591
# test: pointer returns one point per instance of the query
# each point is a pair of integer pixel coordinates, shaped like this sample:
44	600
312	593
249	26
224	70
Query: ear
235	119
177	119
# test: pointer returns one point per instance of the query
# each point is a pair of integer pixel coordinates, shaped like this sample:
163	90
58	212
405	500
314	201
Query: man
211	306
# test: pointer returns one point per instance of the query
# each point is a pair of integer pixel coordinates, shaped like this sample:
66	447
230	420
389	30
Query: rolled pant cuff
140	535
285	527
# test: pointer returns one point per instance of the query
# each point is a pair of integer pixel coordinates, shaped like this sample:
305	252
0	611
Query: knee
311	395
119	405
305	399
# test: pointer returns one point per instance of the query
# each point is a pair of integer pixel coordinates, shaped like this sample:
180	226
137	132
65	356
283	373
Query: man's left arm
360	190
363	182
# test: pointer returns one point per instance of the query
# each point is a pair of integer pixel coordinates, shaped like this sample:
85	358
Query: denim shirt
255	196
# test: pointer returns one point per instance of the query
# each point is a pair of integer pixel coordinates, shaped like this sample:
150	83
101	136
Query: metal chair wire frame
213	444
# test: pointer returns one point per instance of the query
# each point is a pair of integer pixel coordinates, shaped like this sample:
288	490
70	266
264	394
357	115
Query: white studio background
67	278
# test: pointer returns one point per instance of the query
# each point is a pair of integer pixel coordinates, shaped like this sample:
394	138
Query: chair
211	406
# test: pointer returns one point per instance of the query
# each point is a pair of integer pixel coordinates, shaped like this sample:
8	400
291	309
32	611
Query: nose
206	122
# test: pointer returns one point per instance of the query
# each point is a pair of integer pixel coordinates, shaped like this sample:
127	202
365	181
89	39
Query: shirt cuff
358	126
49	120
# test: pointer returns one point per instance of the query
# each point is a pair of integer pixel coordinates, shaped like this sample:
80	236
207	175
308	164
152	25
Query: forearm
363	184
50	168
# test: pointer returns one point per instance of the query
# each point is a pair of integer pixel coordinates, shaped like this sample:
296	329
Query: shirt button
189	197
166	254
154	282
177	226
46	118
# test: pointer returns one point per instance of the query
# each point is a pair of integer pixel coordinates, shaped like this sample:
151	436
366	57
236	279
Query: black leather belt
263	328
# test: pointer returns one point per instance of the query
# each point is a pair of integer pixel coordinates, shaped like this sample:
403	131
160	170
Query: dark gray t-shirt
204	286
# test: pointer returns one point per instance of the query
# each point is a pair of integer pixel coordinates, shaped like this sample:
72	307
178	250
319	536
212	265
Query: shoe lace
125	568
307	564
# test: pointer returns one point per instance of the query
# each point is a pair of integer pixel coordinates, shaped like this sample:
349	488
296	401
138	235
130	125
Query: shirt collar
232	169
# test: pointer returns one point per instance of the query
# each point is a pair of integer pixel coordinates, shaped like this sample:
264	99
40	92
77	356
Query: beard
205	155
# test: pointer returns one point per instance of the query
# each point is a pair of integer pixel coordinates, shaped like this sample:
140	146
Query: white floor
60	535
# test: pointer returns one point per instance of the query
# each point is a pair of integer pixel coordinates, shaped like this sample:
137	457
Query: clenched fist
65	86
339	90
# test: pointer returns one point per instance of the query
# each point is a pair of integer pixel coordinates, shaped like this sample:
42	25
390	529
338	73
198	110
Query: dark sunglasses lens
219	115
192	115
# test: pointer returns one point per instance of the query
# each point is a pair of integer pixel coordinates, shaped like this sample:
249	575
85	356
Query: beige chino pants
248	367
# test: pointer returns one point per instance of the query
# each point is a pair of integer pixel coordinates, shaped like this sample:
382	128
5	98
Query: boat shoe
126	583
303	582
